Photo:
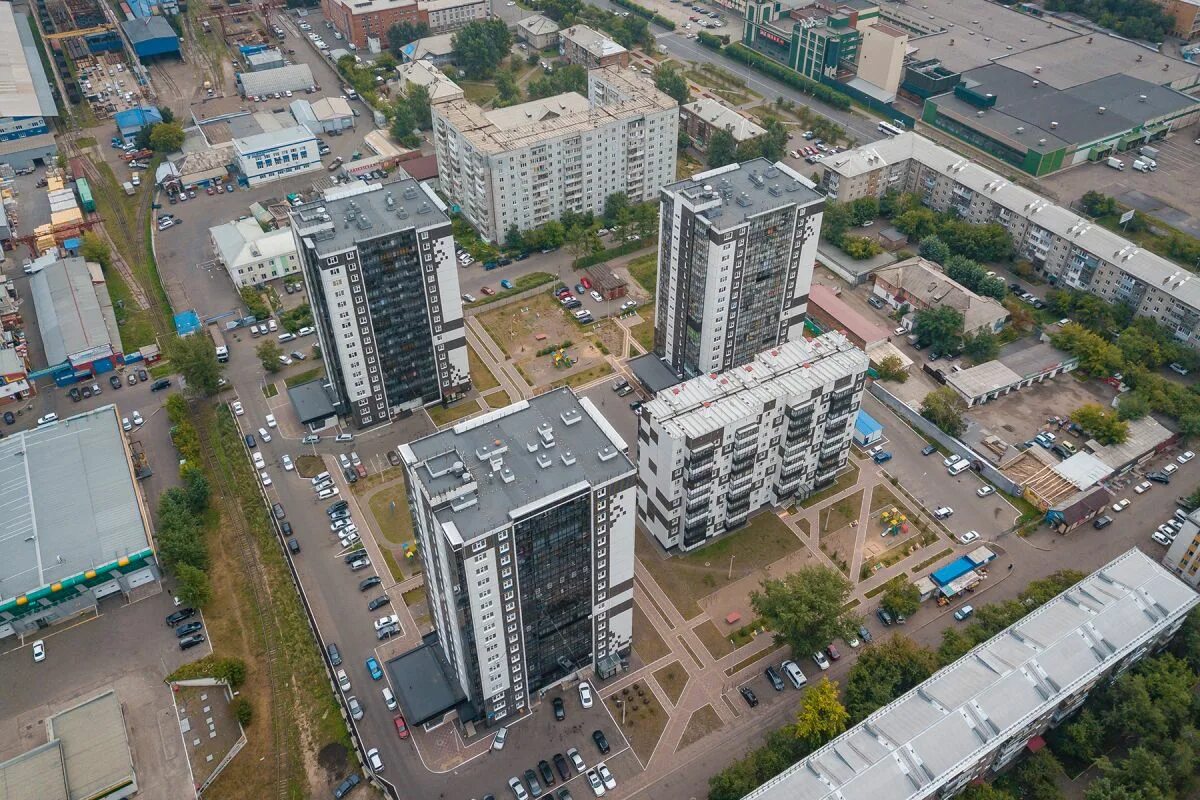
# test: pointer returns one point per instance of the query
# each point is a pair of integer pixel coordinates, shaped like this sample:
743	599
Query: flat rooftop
730	195
495	468
95	746
1145	434
595	42
37	774
920	741
70	502
360	211
711	402
24	90
425	685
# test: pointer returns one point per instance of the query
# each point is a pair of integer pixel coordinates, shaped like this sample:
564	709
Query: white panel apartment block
736	252
525	523
715	448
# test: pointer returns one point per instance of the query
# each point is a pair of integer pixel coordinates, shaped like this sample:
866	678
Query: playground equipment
894	522
562	360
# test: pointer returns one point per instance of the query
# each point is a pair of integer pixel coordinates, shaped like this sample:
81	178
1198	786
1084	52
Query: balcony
741	482
800	414
746	459
697	476
732	522
784	488
698	519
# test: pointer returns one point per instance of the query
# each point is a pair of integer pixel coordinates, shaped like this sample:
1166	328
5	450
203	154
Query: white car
1158	537
501	738
271	423
610	782
821	660
1170	469
385	620
518	789
468	298
39	651
236	405
259	461
984	491
337	525
599	298
262	434
373	754
950	459
287	362
1121	505
576	759
1185	456
288	466
137	418
343	680
1142	487
265	478
942	512
306	331
47	418
968	537
126	425
348	539
585	694
594	781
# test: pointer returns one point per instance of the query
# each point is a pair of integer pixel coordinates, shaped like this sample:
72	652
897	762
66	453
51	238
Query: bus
218	341
888	129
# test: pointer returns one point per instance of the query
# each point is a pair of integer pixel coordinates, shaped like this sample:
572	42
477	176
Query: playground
533	332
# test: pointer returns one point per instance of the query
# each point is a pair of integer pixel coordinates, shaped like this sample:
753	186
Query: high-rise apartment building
1183	556
715	448
383	284
525	522
736	251
526	165
974	717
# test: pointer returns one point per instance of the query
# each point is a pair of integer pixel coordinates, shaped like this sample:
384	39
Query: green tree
984	791
565	78
1038	775
255	304
196	492
1132	406
821	716
194	589
864	210
891	368
901	598
917	223
268	352
940	327
481	46
860	248
671	83
93	248
1081	739
1186	644
582	242
194	358
1106	426
722	149
1096	204
805	608
614	204
166	137
943	407
933	249
1141	776
772	145
884	671
835	222
983	346
644	220
510	91
404	122
242	710
403	33
419	104
513	238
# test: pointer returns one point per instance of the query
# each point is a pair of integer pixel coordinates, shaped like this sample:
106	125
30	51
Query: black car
191	627
928	449
286	528
378	602
354	555
340	505
114	381
775	679
179	616
635	406
188	642
560	711
884	616
748	694
250	440
1158	477
277	510
601	742
547	773
293	545
74	394
1102	522
160	384
142	375
335	655
351	475
563	794
9	419
345	787
560	764
1015	288
535	788
367	583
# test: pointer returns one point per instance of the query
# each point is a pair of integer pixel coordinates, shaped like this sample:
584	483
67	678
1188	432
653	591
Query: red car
833	653
401	727
586	283
562	292
487	290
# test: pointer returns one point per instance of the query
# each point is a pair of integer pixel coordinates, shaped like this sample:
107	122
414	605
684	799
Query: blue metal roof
955	569
187	322
134	119
865	424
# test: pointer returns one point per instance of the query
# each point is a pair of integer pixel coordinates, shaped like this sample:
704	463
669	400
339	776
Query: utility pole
729	577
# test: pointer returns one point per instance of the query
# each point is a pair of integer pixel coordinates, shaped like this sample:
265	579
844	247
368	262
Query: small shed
151	37
132	121
652	373
313	405
926	588
867	430
187	322
609	284
952	571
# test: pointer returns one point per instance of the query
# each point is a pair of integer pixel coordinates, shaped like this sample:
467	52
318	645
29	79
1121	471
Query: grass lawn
481	377
644	718
703	722
414	596
932	559
304	377
521	284
644	270
444	416
840	514
848	478
672	678
393	565
161	370
498	399
646	641
883	587
717	644
479	92
643	332
270	390
688	578
136	324
586	376
308	466
881	498
768	654
389	507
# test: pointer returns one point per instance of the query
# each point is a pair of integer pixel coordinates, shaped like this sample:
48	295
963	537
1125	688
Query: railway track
267	629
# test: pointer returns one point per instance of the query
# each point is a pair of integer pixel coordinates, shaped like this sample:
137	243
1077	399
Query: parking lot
127	648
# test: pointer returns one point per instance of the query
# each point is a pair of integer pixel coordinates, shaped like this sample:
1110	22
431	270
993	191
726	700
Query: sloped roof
925	283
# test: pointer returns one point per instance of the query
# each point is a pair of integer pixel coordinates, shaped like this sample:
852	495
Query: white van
958	466
325	494
794	674
389	699
324	476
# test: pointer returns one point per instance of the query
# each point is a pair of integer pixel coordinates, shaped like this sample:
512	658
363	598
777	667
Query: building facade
266	157
716	448
526	165
251	256
450	15
525	522
736	251
361	21
976	716
580	44
1186	15
1183	556
538	31
1062	246
26	99
383	284
701	118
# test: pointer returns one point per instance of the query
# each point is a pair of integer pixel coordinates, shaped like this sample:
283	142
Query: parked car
748	695
821	660
585	694
963	613
187	628
600	740
547	773
942	512
984	491
179	616
188	642
1121	505
560	711
774	678
884	616
928	450
1185	456
968	537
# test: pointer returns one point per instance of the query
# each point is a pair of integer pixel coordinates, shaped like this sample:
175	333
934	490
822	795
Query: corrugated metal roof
935	731
70	311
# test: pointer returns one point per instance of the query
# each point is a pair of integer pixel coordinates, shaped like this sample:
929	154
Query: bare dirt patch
704	721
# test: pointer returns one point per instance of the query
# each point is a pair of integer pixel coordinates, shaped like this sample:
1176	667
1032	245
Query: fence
927	428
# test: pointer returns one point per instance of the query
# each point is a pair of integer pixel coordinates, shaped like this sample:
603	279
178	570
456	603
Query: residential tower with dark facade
383	283
525	519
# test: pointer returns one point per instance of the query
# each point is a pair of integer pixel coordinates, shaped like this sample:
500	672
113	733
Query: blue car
879	458
506	284
373	668
249	440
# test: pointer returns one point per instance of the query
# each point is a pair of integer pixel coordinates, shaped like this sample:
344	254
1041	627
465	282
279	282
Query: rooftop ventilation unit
390	201
507	475
775	190
424	208
1101	110
743	200
571	416
607	453
757	180
464	502
772	172
544	461
402	212
410	192
1053	126
532	447
568	458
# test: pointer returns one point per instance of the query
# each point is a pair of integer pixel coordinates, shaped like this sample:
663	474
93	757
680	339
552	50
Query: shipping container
85	194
